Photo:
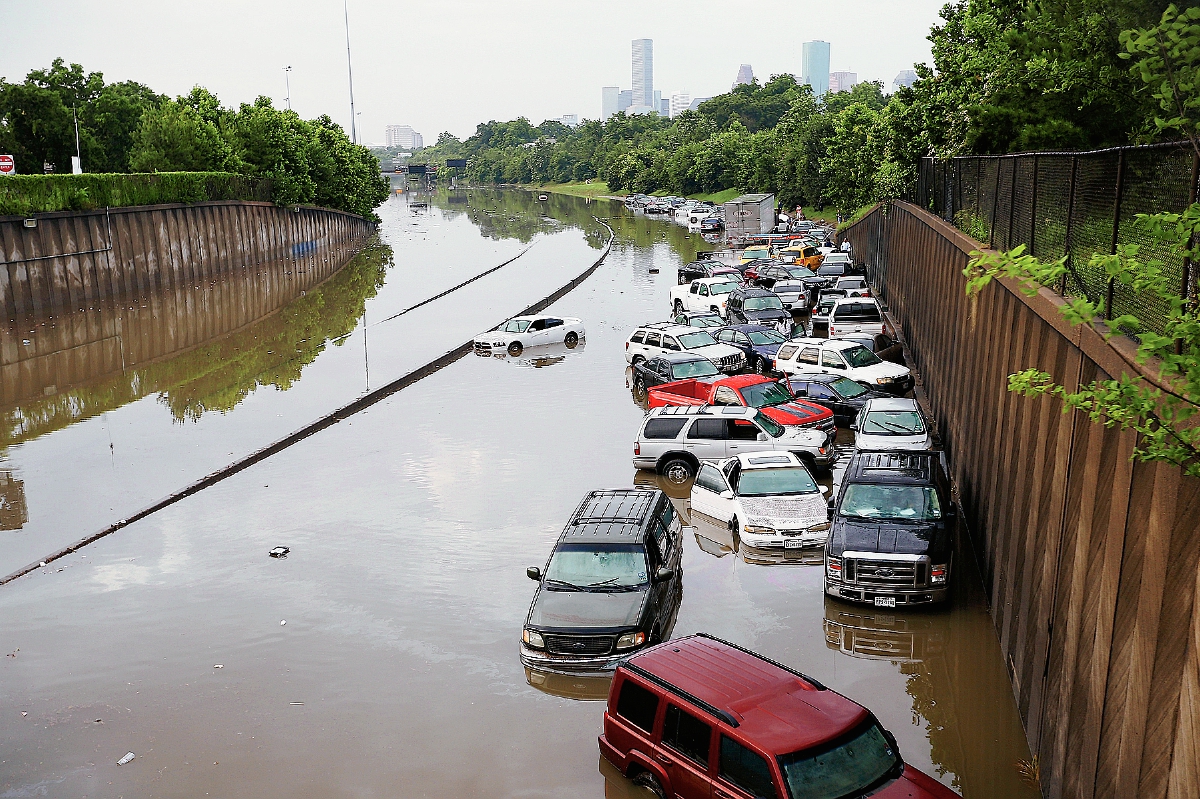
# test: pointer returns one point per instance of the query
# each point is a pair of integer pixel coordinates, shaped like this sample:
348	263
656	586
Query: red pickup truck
754	391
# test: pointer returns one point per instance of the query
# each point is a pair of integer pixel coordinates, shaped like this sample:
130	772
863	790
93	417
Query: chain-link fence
1073	204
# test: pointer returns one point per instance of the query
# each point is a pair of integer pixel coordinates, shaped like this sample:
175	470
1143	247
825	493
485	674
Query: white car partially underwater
520	332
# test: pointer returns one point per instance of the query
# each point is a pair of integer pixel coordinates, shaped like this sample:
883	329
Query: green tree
174	138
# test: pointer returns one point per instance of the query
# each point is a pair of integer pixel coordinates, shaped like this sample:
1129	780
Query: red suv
699	717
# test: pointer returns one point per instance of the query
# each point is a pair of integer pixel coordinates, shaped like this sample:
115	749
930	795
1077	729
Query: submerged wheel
515	348
572	340
678	307
678	471
644	779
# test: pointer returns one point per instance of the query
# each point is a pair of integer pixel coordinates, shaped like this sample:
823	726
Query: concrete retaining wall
72	258
1090	560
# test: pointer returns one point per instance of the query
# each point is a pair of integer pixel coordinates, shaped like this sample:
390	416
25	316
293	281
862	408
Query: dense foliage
31	194
1007	75
126	127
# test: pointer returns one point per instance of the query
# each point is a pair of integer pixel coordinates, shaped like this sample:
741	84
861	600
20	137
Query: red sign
7	165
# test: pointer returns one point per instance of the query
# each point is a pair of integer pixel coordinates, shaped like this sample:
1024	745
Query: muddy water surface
410	527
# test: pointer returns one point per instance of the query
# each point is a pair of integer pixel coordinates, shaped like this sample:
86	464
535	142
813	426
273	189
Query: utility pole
288	82
350	73
76	167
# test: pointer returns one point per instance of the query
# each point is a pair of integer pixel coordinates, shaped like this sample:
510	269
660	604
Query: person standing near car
845	245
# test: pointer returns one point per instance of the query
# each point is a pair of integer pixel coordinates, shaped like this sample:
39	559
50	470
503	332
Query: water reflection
569	686
200	348
13	510
863	633
537	357
719	540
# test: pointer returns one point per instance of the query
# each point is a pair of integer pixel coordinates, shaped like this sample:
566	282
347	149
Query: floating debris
219	666
129	756
279	552
282	622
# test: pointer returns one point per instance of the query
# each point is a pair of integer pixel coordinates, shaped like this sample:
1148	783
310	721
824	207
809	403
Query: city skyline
814	66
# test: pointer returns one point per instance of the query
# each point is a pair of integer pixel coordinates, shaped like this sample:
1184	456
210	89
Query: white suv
650	341
705	294
857	317
840	357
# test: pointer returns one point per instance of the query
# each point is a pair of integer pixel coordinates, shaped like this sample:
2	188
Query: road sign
7	165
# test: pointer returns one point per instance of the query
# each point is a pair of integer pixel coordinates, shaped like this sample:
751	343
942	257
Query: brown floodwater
410	527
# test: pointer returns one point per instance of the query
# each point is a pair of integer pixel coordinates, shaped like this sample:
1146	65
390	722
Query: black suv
893	533
755	306
612	585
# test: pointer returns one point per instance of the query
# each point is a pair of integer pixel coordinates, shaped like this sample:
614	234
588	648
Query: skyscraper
842	81
814	66
745	75
643	72
680	101
624	100
906	78
403	136
610	102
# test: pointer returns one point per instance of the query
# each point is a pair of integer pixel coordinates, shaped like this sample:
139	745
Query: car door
832	363
653	345
649	372
706	438
686	750
809	360
536	332
743	437
706	491
670	344
825	396
742	773
701	298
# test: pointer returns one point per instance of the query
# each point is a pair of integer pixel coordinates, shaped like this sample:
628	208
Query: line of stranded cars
696	716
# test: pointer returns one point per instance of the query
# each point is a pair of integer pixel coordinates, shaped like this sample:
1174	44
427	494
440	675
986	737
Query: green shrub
30	194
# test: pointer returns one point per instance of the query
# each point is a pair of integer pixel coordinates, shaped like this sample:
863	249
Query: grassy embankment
31	194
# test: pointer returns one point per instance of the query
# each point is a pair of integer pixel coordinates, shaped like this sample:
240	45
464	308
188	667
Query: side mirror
854	425
726	495
534	573
663	574
762	437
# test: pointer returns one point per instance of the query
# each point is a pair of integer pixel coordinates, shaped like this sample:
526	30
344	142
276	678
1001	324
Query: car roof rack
723	715
814	683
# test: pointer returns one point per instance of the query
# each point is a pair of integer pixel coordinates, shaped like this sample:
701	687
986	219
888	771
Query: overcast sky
449	64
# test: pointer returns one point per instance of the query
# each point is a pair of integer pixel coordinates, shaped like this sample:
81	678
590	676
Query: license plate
885	601
792	543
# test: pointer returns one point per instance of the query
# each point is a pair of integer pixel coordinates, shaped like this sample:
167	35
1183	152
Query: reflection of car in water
569	686
535	357
863	633
719	541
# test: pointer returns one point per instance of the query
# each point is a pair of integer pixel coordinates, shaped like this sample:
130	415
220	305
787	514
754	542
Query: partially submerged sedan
520	332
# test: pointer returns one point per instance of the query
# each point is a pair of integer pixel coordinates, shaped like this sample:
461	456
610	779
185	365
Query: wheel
572	340
760	365
678	471
678	307
644	779
515	348
639	389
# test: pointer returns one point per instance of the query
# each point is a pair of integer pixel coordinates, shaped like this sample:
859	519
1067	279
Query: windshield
830	269
772	482
697	339
773	429
764	337
847	388
754	255
722	288
516	326
762	303
584	566
893	423
850	769
799	271
905	502
695	369
861	356
762	395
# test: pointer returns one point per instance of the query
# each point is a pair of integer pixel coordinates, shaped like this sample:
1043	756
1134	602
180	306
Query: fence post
1188	290
1112	250
1012	205
1070	215
1033	207
978	184
995	203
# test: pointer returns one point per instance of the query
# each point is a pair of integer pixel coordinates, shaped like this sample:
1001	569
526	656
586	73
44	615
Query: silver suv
652	340
674	440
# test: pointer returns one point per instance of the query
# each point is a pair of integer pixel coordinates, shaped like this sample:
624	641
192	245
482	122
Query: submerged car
669	367
612	584
841	395
758	342
768	499
520	332
891	423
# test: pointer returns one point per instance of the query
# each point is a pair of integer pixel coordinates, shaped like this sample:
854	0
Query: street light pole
78	165
350	73
288	82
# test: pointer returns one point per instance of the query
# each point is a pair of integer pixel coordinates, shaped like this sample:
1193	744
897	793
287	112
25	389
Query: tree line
1007	76
127	127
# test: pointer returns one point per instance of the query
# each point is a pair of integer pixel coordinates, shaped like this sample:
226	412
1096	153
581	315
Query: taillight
637	448
626	345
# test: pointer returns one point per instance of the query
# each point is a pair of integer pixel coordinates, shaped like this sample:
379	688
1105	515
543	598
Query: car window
809	355
538	324
703	291
832	360
637	705
857	312
670	344
553	322
687	734
745	768
861	356
741	430
725	335
516	326
709	477
660	429
786	351
725	396
818	391
708	429
695	288
638	337
697	368
799	389
653	339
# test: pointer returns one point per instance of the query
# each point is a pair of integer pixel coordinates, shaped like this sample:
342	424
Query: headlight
533	639
939	573
818	528
630	640
833	568
885	380
758	528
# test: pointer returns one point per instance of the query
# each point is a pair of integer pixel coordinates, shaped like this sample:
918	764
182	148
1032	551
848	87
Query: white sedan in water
520	332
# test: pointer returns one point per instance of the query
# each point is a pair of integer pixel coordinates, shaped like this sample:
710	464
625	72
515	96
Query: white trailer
750	215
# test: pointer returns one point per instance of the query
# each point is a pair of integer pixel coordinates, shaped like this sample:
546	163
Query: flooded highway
380	657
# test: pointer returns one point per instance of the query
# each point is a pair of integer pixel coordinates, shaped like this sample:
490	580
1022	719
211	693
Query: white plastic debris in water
282	622
43	563
129	756
219	666
279	552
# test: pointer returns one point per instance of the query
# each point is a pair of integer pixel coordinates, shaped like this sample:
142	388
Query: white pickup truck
704	294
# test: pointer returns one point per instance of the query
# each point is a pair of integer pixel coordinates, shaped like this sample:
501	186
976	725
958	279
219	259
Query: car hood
790	413
798	512
575	609
807	436
767	314
717	351
882	369
895	538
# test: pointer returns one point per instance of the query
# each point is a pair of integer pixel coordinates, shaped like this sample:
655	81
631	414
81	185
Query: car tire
515	348
678	471
639	389
678	307
644	779
572	340
760	365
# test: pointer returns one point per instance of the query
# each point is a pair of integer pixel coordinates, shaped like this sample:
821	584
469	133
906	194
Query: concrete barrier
65	260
